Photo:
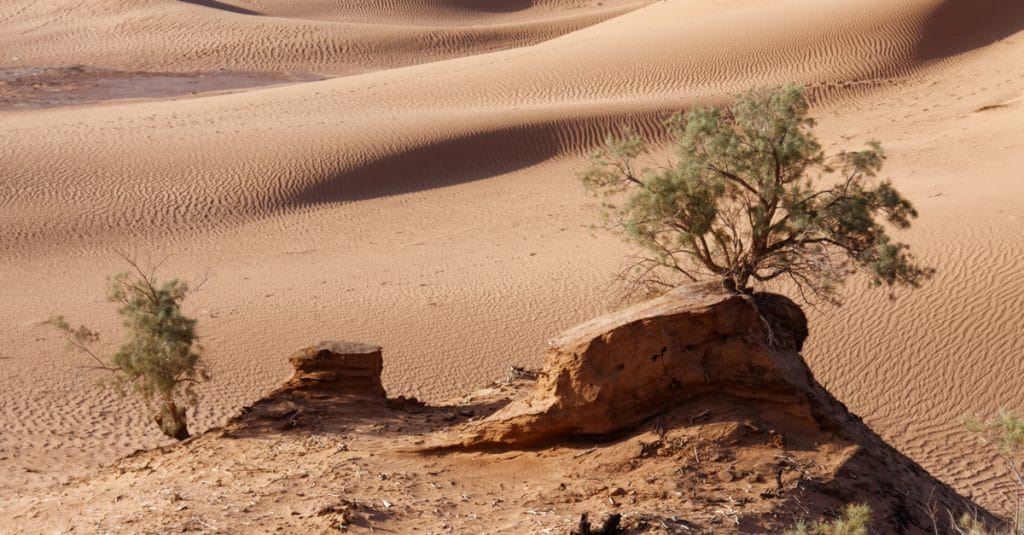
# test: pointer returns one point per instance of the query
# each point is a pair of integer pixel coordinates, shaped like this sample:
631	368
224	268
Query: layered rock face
344	368
332	380
612	373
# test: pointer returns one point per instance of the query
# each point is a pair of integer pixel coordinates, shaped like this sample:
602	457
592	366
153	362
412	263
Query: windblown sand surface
423	196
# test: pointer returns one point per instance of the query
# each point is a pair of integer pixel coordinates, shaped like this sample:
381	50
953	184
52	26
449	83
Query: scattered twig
584	452
699	416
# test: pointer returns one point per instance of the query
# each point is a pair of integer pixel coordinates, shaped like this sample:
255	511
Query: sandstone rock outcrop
614	372
333	379
700	368
343	368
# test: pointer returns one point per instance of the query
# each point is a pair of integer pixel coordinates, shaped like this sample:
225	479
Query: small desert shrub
854	521
159	359
1005	433
970	525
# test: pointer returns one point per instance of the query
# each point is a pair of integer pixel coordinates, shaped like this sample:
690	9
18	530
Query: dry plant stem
100	365
1015	472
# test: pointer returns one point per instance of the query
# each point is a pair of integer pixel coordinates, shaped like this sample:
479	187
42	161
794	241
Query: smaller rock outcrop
336	367
332	380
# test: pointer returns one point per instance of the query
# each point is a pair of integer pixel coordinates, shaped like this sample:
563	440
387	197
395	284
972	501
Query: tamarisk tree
160	357
743	202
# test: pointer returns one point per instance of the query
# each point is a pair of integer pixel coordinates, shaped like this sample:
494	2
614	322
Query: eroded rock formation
333	379
698	366
612	373
343	368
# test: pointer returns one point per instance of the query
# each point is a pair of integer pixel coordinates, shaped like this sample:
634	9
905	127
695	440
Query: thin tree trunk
742	277
172	421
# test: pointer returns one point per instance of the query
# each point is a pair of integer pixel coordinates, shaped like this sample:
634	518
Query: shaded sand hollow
422	195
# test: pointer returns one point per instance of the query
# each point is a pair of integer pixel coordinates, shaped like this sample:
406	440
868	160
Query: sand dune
425	201
304	37
335	137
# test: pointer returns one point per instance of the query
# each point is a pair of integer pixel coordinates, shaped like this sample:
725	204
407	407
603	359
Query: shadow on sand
958	26
214	4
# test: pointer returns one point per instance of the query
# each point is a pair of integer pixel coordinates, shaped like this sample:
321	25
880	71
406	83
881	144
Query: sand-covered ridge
420	193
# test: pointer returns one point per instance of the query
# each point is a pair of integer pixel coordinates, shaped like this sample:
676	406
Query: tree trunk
740	278
172	421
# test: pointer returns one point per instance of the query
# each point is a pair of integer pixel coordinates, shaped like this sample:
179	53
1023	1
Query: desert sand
403	174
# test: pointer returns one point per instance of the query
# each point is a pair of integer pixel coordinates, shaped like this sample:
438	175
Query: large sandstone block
614	372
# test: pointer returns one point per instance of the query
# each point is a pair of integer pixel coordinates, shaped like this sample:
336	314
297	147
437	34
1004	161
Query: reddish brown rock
341	367
614	372
332	380
714	378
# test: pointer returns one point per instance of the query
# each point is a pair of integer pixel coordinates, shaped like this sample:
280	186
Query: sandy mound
719	430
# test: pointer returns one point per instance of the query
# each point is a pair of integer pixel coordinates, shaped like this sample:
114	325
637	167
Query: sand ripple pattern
400	130
324	38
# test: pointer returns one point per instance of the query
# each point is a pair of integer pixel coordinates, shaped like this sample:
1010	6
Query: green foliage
1005	433
743	201
854	521
159	359
970	525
